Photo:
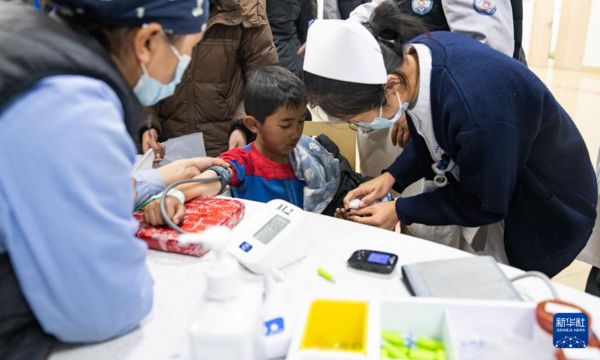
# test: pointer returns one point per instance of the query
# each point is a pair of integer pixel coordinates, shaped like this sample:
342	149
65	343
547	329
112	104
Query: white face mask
150	91
381	122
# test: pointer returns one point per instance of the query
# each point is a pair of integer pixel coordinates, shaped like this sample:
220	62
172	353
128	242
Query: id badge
431	185
428	186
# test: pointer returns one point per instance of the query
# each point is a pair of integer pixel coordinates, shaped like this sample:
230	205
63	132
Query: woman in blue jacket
72	86
499	148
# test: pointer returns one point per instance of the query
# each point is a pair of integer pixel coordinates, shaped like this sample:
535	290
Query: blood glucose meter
373	261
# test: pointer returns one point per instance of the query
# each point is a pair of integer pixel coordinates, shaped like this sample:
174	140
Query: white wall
591	56
555	23
527	25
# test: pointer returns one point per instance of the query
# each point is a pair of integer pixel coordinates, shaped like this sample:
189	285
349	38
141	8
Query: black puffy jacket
289	24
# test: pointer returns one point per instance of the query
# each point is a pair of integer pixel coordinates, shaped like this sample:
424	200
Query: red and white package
200	214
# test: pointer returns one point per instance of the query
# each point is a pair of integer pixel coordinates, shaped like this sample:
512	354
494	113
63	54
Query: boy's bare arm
194	190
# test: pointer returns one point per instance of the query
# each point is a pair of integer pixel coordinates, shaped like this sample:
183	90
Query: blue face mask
150	91
381	122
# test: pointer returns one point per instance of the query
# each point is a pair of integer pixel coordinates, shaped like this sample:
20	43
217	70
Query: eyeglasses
320	113
363	129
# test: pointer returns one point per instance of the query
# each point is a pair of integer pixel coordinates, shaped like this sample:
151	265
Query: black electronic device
373	261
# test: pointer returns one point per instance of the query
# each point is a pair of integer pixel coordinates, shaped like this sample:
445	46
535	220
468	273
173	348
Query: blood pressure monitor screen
271	229
378	258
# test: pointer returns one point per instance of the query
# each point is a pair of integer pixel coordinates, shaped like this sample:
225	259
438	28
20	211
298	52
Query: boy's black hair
271	87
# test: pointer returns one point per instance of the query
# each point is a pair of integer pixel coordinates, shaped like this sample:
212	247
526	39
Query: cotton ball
354	204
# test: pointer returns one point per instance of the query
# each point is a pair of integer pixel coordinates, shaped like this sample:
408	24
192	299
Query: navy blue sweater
520	155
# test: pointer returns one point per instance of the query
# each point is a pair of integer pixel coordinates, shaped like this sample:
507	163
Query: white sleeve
489	21
331	9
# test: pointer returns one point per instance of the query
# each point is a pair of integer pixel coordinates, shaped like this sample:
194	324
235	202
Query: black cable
540	276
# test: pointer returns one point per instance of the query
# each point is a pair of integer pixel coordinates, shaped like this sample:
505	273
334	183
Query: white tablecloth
179	285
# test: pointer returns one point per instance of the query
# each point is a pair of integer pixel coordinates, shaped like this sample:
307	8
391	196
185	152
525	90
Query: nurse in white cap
486	132
488	21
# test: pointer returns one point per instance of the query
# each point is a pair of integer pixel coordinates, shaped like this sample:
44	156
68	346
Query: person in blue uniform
498	148
496	23
72	90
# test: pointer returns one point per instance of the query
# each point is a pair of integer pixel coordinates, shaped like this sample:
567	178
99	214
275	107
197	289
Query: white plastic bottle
277	317
229	322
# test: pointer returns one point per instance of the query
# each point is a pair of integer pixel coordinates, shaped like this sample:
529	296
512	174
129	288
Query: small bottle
228	325
278	322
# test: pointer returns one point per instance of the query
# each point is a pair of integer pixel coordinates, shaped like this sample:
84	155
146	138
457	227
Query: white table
179	286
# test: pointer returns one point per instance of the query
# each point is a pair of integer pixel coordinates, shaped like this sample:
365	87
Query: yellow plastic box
337	326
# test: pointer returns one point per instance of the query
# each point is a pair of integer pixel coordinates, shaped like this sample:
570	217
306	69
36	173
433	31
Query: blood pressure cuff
224	174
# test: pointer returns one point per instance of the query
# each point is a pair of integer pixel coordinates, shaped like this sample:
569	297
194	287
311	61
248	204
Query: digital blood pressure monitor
264	241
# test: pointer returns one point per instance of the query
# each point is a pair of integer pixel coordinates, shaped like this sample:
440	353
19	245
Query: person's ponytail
393	28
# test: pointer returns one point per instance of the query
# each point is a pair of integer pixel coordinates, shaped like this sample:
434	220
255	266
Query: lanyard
440	168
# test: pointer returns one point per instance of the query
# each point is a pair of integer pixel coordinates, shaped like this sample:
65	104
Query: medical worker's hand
301	50
400	133
237	139
371	190
150	141
188	168
175	209
382	215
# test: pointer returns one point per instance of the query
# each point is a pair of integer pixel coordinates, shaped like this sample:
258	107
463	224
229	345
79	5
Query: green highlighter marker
325	275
